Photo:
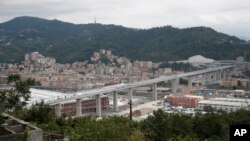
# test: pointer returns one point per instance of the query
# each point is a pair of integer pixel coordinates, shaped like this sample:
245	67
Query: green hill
70	42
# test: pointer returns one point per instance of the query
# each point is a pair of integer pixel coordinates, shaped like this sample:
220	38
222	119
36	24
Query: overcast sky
228	16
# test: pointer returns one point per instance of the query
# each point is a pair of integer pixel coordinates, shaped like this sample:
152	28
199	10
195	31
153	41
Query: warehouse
226	104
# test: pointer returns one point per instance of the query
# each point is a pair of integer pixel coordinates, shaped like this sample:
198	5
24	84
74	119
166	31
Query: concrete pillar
216	75
58	110
175	85
212	77
228	74
203	80
155	91
115	101
130	94
98	105
78	107
220	74
209	78
190	82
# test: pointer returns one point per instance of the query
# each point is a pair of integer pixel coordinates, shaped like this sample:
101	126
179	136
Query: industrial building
186	101
226	104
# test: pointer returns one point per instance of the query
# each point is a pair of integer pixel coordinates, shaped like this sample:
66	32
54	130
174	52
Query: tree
162	126
209	109
15	97
39	112
184	138
108	129
207	126
26	134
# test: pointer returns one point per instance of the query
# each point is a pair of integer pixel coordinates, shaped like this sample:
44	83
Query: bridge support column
115	101
209	77
203	80
58	110
215	76
155	91
98	105
190	82
78	107
175	85
212	77
220	74
228	74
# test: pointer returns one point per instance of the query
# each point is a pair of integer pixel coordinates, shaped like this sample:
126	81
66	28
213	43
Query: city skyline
227	16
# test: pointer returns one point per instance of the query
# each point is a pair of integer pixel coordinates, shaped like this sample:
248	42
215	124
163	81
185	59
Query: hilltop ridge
69	42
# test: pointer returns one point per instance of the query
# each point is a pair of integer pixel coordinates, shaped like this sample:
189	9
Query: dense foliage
15	98
160	126
163	126
68	42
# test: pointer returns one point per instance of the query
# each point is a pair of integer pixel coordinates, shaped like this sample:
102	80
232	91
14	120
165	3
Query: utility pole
130	107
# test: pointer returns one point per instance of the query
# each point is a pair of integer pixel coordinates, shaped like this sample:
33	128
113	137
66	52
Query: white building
37	96
226	104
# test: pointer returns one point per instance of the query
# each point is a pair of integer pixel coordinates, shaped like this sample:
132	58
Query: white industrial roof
199	59
225	103
230	99
37	95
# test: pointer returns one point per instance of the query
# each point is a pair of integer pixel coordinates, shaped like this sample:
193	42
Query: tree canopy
15	97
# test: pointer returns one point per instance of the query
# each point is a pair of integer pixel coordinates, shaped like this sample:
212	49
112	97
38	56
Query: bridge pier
78	107
228	75
218	76
98	105
209	77
175	85
115	101
224	75
58	110
155	91
190	82
203	79
212	77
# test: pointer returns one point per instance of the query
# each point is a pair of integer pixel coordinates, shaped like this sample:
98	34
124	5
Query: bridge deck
120	87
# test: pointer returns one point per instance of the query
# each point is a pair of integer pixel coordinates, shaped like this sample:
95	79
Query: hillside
69	42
